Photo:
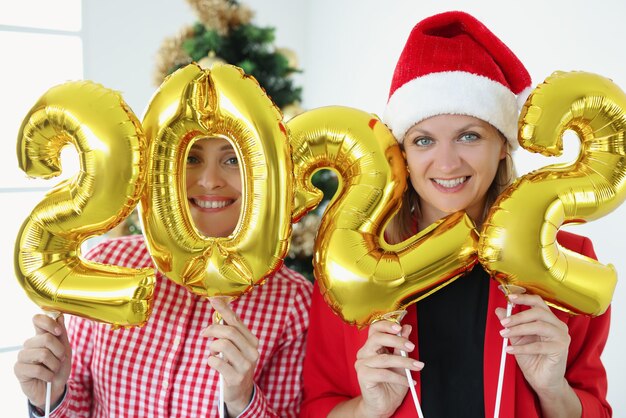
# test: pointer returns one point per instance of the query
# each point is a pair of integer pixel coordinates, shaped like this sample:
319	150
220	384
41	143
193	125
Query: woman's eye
423	141
232	161
469	137
191	159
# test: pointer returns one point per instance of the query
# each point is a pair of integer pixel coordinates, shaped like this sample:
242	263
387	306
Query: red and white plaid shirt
160	370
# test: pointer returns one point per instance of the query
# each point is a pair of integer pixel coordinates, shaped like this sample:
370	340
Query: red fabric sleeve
326	381
585	372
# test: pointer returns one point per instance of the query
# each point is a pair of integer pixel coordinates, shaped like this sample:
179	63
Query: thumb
501	313
63	337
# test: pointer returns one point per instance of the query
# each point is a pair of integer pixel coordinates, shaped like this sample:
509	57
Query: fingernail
505	321
409	345
504	332
396	327
57	331
509	349
513	296
418	364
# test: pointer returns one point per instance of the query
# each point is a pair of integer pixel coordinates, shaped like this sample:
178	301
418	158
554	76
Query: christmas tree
225	33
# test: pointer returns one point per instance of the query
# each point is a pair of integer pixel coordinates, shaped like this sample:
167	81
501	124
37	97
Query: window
41	46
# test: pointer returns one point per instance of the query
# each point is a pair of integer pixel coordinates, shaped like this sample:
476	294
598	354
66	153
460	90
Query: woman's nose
447	158
211	177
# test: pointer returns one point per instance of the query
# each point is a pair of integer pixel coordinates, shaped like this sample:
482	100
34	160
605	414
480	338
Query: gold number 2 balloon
518	243
361	276
221	102
111	150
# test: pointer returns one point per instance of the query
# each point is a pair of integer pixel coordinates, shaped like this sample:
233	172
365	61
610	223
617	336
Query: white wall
348	50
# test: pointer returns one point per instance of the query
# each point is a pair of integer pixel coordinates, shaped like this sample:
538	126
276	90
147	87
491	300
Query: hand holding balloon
380	368
234	354
46	357
540	342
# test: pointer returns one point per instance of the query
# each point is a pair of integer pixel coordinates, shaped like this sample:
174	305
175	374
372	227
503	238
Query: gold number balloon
111	150
361	276
518	243
222	102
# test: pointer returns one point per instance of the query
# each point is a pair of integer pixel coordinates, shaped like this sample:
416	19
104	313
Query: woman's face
452	160
214	186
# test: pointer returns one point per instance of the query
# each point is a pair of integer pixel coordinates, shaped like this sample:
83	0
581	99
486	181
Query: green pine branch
251	48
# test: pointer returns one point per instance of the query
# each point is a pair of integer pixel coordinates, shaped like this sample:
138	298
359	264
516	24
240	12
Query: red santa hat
453	64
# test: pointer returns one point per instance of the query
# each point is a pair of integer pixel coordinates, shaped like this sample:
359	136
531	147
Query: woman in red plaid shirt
170	367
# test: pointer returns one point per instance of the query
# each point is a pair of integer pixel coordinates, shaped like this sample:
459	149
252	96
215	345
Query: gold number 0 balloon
518	243
223	102
111	150
361	276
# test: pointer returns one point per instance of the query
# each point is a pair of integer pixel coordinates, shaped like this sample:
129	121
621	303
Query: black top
451	335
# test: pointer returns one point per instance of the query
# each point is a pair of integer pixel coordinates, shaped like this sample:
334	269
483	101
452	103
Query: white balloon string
54	315
221	406
397	316
505	342
11	348
48	394
217	318
409	378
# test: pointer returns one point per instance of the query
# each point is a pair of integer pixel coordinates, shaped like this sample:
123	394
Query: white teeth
212	204
450	183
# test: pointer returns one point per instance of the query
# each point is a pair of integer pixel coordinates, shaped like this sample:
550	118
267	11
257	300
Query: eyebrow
224	147
461	129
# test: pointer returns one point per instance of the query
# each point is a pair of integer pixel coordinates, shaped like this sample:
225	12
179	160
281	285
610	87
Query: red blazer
330	377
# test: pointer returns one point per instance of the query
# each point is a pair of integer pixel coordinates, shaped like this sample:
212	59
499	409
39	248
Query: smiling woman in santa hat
453	106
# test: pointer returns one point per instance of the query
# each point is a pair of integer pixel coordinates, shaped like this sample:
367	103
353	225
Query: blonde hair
402	225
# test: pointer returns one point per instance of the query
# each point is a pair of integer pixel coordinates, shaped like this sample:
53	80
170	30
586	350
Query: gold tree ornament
303	236
221	15
171	54
290	55
210	60
291	111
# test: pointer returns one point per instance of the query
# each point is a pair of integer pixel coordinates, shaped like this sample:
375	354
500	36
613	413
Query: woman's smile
450	185
211	203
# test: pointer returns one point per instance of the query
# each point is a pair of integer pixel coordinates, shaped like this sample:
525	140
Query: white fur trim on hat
457	93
